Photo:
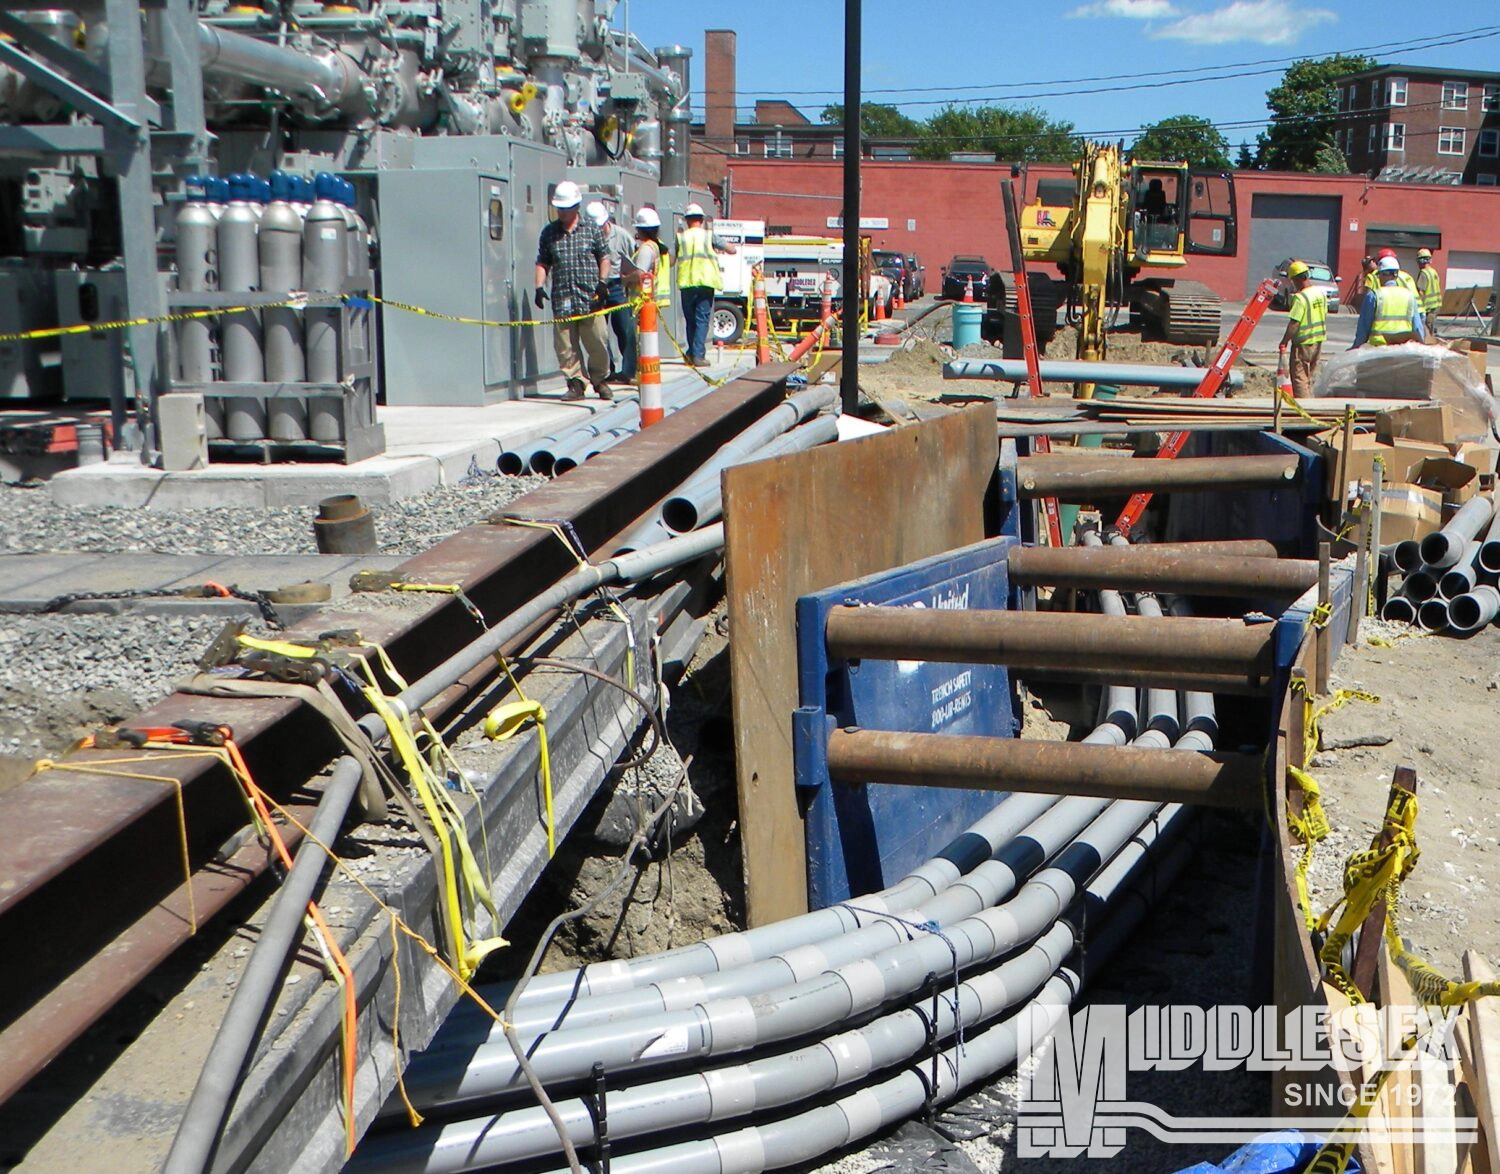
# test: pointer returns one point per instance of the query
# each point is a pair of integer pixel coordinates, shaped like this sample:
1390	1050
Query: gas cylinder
325	259
281	272
239	272
197	270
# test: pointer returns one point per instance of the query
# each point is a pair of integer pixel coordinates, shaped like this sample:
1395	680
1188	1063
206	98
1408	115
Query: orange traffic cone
1284	382
969	290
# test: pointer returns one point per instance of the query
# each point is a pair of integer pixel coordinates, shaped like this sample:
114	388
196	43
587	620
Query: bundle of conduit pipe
775	1046
1449	579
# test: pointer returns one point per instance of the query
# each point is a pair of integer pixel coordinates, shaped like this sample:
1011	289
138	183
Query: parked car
893	265
1319	276
958	272
916	277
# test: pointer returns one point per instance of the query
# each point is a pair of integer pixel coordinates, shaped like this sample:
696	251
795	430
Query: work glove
541	297
601	295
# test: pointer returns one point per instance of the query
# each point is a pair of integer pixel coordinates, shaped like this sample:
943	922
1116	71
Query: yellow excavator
1116	219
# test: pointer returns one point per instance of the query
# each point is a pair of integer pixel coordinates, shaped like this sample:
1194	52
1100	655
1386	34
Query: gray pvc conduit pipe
198	1135
990	883
1159	724
626	414
1200	720
1489	547
1446	547
983	840
1076	371
724	1026
1399	610
1432	616
1117	704
1422	584
1464	574
1468	613
700	500
1407	555
581	447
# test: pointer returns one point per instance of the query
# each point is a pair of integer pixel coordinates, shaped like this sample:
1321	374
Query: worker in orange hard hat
1306	328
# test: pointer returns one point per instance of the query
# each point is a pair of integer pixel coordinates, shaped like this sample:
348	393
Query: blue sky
789	46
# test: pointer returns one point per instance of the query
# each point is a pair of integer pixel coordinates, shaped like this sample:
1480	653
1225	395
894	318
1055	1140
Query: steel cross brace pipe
1081	480
1168	569
1049	768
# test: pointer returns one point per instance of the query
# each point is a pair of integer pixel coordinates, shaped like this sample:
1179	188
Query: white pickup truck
795	268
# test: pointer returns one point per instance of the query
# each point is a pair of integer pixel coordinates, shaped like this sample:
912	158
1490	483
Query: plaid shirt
572	261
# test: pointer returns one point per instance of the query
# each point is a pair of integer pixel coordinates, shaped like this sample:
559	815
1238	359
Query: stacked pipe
706	1048
1449	578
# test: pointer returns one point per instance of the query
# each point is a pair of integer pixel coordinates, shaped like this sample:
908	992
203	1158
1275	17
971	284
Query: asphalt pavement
1268	331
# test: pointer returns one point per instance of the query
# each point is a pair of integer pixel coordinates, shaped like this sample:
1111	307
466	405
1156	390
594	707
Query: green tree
1244	159
1025	135
876	120
1186	138
1304	112
1331	161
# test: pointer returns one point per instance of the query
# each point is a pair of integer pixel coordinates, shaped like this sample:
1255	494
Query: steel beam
1048	768
70	61
45	139
1154	568
1081	480
1052	641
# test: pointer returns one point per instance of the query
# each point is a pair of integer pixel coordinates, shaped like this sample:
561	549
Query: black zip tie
598	1106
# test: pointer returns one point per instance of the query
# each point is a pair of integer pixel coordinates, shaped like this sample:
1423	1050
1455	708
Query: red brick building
936	210
1407	122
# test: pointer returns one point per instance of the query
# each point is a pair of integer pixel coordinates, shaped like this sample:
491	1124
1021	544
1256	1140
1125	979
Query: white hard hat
596	211
1389	265
648	218
566	195
693	210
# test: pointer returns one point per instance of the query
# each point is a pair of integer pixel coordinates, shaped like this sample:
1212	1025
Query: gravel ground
31	523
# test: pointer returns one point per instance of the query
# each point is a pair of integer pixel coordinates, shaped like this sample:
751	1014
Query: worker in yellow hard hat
1429	288
1306	328
1391	314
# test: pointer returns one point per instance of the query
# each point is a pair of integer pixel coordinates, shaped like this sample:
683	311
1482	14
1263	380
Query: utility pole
853	298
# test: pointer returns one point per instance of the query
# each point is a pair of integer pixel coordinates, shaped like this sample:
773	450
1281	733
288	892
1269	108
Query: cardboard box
1482	457
1398	373
1433	424
1409	511
1454	480
1364	449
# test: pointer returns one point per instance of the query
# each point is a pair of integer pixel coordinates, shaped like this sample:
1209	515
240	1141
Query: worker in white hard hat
619	244
1429	288
698	279
1391	314
571	253
650	256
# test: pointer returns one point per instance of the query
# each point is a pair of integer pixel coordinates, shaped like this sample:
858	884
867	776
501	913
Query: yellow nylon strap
505	722
278	647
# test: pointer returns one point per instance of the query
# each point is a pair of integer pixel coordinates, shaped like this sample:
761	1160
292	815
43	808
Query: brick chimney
718	88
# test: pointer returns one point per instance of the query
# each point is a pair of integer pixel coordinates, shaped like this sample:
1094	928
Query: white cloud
1130	9
1266	22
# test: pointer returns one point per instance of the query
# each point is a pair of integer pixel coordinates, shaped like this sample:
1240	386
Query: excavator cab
1176	212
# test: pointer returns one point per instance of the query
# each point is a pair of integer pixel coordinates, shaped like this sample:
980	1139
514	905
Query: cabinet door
495	277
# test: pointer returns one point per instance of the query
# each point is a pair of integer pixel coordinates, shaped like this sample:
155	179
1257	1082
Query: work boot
575	390
605	392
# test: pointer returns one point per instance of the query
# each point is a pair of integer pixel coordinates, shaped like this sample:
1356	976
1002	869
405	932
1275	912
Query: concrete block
183	428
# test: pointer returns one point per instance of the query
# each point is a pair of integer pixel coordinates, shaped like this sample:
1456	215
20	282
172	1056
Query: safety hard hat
1384	253
566	195
693	210
1389	265
648	218
1424	254
597	212
1296	269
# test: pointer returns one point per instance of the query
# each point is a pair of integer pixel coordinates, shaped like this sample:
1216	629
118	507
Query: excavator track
1000	298
1180	311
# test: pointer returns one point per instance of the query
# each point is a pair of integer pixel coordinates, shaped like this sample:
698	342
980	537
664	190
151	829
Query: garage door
1290	226
1468	270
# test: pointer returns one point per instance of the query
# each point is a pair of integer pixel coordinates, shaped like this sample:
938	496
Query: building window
1372	139
1491	97
1374	92
778	146
1395	91
1395	136
1485	181
838	148
742	146
1455	95
1489	144
1451	140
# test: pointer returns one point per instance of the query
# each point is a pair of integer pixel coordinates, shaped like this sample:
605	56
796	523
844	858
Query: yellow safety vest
696	263
1312	323
1372	281
1430	288
1405	281
661	281
1394	307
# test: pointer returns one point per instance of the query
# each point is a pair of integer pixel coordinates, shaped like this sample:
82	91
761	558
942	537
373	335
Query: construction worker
1371	278
1390	315
1306	328
1406	280
621	246
1429	288
698	279
651	257
572	255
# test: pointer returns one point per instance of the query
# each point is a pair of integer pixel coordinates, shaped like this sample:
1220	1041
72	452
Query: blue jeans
698	309
622	322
